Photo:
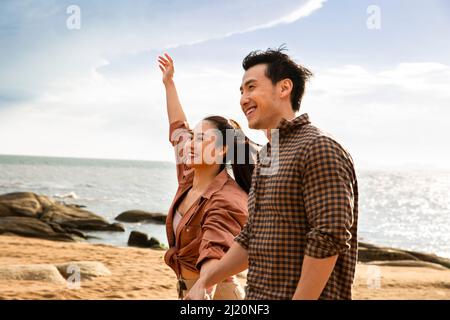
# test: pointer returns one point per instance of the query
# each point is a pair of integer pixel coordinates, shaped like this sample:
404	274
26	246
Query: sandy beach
141	274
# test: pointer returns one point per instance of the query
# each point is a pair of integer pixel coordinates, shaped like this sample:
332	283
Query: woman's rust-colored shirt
207	230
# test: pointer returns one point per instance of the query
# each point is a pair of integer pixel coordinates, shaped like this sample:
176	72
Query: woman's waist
190	275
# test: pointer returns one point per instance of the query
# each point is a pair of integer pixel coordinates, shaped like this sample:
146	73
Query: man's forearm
315	275
233	262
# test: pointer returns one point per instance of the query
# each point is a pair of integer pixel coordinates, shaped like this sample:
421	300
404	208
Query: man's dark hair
279	67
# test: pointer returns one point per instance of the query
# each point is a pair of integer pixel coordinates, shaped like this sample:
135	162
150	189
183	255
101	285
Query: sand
142	274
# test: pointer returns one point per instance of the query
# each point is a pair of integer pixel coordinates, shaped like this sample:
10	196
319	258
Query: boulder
5	211
35	228
382	254
432	258
141	216
139	239
39	272
22	204
74	217
408	263
31	215
87	269
373	253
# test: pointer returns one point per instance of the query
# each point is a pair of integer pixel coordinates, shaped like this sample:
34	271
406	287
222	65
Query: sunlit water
403	209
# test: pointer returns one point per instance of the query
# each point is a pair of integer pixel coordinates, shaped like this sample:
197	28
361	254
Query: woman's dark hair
236	141
279	67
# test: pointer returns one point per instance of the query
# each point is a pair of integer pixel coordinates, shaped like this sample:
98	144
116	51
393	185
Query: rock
45	201
23	204
5	211
370	253
87	269
408	263
32	227
139	239
32	215
382	254
73	217
140	215
41	272
432	258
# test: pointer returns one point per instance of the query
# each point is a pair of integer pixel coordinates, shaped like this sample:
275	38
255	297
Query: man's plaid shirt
308	205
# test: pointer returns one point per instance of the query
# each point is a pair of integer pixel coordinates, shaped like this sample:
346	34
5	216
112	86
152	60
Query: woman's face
205	147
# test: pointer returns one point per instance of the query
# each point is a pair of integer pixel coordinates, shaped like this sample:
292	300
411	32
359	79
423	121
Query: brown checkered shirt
308	206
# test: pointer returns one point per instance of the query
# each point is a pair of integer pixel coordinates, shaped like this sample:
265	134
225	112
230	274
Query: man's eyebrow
247	83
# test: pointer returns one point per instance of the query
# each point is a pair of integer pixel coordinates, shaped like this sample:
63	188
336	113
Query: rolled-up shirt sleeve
220	227
329	198
179	135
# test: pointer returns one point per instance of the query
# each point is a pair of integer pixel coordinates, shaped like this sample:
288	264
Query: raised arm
174	109
179	132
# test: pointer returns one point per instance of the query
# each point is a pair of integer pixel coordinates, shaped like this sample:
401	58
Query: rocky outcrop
31	215
139	239
35	228
141	216
372	253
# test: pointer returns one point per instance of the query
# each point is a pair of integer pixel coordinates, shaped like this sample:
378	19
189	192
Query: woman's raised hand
167	68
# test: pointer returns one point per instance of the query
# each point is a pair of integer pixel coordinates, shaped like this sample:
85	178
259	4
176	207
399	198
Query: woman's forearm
174	109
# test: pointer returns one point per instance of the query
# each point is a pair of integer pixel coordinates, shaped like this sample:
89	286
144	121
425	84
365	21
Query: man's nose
244	101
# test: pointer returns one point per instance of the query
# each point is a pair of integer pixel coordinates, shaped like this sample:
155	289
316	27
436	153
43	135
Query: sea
408	209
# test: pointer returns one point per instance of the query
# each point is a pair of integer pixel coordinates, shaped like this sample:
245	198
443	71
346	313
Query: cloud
387	117
306	9
96	93
301	12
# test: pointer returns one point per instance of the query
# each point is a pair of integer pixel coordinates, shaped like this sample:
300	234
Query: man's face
258	97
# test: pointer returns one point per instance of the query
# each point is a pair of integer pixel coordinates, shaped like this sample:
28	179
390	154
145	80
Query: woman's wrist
169	83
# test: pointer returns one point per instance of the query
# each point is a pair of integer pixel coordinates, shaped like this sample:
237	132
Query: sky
381	73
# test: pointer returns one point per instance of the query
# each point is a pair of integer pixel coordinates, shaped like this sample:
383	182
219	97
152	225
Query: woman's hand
167	68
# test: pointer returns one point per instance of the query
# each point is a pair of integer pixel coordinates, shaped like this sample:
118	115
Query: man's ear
286	86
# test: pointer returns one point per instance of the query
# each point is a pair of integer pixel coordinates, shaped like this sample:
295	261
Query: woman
210	207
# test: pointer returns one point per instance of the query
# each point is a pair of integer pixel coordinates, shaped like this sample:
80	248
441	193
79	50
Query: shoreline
142	274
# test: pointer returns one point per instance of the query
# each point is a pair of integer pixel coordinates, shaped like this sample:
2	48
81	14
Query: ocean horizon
408	209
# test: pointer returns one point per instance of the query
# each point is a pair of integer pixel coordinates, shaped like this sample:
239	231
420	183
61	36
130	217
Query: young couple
293	227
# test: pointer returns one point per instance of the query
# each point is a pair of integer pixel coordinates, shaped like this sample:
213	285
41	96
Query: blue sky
96	92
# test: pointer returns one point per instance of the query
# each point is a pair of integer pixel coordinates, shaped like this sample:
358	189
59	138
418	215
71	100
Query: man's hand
167	68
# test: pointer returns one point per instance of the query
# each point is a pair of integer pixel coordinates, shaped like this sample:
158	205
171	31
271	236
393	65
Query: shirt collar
288	125
216	184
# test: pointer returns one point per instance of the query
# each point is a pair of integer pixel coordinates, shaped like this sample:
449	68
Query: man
301	238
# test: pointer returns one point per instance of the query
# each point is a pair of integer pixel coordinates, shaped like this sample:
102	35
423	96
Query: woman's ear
224	150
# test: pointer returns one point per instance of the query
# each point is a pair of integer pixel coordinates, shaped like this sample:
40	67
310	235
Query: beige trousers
227	290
